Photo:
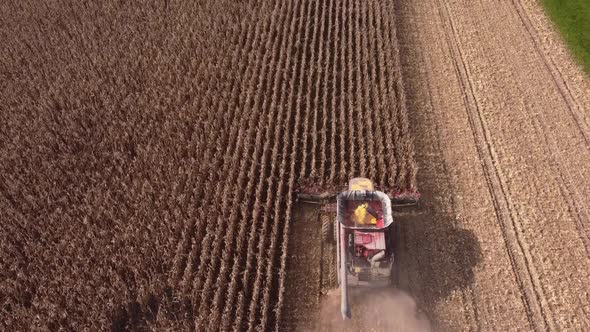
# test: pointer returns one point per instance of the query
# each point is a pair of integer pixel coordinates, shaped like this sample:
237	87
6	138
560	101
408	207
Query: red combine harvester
365	239
365	234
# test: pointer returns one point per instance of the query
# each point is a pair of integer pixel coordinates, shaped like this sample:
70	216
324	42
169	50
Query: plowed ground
501	119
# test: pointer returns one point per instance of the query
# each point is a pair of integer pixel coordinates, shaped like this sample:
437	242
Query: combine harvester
365	234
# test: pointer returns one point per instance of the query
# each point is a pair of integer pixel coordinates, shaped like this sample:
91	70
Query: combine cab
365	233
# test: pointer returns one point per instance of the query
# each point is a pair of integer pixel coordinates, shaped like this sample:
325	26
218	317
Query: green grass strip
572	17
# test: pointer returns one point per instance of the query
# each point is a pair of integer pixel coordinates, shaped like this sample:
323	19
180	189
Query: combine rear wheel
332	281
337	260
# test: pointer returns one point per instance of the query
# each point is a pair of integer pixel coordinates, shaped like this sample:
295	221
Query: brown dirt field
500	116
506	112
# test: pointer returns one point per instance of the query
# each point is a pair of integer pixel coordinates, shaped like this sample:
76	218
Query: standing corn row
180	149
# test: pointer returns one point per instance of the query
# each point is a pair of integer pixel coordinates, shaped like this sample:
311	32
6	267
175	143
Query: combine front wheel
327	229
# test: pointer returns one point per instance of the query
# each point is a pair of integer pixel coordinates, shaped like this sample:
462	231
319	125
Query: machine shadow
437	258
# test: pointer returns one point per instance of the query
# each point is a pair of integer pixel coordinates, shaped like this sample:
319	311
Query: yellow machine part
362	216
360	184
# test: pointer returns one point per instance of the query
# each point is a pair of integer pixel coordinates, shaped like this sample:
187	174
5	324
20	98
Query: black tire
327	230
337	240
333	279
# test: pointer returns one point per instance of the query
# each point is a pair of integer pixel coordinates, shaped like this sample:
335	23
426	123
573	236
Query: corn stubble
150	152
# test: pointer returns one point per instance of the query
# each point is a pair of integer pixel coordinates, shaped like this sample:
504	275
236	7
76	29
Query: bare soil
501	120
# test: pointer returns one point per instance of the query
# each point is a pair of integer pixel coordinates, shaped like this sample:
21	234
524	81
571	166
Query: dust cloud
372	310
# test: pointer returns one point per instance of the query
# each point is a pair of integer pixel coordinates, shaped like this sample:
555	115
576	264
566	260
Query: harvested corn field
151	152
504	156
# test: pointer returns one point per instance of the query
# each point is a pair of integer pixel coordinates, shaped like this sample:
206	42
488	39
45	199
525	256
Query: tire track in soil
579	213
548	129
468	294
429	188
322	280
560	172
563	179
572	104
564	184
555	171
519	256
